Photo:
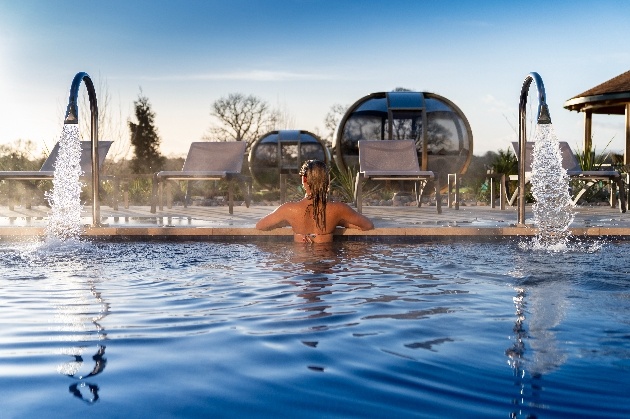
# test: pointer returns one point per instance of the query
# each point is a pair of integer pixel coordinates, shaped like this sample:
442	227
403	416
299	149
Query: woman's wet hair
317	179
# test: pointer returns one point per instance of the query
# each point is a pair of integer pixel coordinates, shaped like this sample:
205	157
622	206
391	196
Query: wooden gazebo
611	97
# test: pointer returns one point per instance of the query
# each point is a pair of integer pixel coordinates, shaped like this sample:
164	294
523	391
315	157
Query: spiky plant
343	183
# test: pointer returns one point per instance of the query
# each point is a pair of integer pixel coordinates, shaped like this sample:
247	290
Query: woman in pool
313	219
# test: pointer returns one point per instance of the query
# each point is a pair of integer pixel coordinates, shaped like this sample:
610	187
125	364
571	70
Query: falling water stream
553	210
64	221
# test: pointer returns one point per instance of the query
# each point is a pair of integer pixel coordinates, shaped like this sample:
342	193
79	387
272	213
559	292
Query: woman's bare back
299	215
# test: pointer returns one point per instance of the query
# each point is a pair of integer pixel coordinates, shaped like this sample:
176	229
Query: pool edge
442	233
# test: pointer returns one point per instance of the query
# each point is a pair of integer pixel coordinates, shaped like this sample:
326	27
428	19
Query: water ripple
349	329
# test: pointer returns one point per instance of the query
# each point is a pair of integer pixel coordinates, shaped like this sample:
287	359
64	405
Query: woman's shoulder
297	204
338	205
294	207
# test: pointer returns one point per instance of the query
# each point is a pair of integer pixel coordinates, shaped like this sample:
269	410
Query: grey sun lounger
574	171
47	170
208	161
392	160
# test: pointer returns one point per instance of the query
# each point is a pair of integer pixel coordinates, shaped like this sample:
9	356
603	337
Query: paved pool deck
405	223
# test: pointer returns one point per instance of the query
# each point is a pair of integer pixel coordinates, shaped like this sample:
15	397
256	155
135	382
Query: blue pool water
346	330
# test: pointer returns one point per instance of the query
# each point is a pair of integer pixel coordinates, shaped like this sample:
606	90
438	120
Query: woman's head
315	174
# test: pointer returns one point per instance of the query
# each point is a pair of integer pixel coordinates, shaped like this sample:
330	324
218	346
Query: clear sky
303	56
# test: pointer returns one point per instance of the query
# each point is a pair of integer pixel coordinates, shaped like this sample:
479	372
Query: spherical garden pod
442	134
283	152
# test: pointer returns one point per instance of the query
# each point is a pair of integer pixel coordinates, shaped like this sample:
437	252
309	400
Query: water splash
64	221
553	210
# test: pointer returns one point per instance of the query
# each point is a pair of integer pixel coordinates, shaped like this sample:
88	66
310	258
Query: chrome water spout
72	117
543	117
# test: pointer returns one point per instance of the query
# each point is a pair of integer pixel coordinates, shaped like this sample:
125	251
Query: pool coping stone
401	223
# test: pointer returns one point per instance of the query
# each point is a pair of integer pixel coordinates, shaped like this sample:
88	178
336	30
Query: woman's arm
276	219
349	218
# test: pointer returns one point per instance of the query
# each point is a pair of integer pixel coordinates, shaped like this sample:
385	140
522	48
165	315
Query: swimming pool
347	330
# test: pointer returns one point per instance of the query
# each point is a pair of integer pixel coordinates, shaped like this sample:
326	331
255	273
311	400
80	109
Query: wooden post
588	130
492	197
502	192
283	188
169	195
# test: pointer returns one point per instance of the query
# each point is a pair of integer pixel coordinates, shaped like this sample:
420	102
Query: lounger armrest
193	175
372	173
32	175
595	174
528	176
40	175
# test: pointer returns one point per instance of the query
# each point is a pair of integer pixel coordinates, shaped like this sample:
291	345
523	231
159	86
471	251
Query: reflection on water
542	307
79	311
333	330
84	322
320	258
545	282
547	307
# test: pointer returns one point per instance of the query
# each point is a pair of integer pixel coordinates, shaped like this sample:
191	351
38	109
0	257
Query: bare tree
111	123
241	118
332	120
284	119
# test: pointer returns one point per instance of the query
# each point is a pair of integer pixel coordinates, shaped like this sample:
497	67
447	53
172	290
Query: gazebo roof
609	97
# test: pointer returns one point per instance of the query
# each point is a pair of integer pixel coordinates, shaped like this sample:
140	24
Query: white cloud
495	105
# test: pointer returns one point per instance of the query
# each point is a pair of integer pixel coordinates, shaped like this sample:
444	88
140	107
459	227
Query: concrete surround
392	223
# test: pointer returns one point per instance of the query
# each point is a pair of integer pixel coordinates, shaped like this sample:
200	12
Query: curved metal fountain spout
543	117
72	117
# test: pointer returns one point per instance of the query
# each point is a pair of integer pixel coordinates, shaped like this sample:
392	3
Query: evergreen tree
144	139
